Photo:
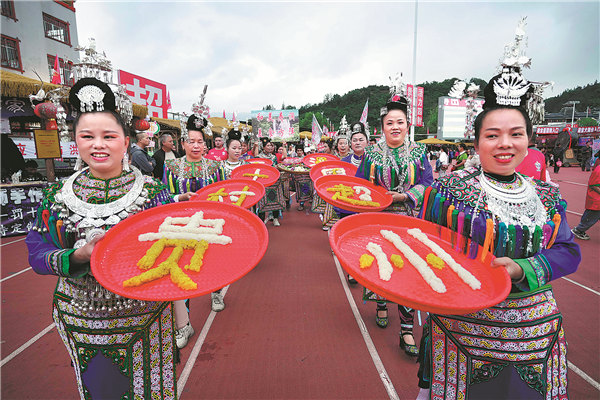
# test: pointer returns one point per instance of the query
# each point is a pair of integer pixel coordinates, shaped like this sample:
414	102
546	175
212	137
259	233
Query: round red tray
349	238
378	193
317	170
233	185
311	160
270	171
265	161
115	257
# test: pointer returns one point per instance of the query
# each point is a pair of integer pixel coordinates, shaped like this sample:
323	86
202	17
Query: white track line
385	379
15	274
26	345
572	183
14	241
189	365
585	376
583	286
573	212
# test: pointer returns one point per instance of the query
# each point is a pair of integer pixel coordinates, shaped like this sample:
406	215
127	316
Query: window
8	9
56	29
65	70
11	54
68	4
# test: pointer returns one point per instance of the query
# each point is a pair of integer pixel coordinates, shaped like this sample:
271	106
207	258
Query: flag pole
414	77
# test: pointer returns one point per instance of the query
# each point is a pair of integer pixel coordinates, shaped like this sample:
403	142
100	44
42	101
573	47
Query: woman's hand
185	196
83	254
514	270
398	196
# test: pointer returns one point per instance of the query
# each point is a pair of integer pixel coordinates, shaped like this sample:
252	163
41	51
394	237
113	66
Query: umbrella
435	141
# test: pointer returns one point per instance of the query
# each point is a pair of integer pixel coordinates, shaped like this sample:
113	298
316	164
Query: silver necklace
518	206
81	215
387	178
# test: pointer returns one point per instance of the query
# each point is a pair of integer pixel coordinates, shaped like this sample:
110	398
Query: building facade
34	33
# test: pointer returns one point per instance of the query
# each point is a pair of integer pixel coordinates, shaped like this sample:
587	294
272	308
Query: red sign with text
417	108
146	93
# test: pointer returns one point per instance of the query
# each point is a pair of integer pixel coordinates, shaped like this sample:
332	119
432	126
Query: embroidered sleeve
561	259
47	259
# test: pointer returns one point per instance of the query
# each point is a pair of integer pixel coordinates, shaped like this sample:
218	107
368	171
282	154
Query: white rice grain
421	265
462	273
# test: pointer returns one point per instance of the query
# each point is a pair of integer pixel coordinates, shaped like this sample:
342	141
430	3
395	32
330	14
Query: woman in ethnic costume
401	166
358	143
120	348
183	177
515	349
271	206
234	152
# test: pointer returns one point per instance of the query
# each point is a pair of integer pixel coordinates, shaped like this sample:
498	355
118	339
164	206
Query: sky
253	54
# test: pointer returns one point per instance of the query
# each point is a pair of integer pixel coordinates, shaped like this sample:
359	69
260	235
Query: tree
587	122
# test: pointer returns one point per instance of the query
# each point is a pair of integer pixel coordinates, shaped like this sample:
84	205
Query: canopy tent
171	123
305	134
436	141
15	85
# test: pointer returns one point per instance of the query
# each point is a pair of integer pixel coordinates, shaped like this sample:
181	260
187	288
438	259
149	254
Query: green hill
588	96
335	106
351	104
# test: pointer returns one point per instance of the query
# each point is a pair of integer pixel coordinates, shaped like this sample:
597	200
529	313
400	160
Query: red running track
288	330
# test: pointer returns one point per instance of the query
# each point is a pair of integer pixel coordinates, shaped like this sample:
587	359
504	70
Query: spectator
586	156
166	152
473	159
534	163
219	152
592	206
462	157
139	156
443	162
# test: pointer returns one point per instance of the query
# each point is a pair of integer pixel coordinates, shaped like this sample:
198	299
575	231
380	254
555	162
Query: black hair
233	135
484	113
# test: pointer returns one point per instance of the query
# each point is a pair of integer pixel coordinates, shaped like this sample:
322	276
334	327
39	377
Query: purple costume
515	349
120	348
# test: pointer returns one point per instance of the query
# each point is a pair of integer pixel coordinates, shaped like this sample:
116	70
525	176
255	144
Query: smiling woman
521	221
71	219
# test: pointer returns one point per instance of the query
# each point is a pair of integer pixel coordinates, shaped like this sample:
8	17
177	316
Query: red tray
311	160
272	172
350	235
232	185
378	193
115	257
317	170
265	161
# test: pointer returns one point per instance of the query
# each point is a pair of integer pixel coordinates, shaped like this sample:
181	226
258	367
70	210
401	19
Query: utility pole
414	77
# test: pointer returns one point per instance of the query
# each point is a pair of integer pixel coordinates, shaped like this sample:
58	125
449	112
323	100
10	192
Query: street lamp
572	102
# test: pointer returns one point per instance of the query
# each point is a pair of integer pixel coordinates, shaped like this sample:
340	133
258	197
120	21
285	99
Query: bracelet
520	280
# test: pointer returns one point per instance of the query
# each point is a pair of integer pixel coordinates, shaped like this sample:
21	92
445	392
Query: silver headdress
199	118
398	97
510	87
467	91
96	65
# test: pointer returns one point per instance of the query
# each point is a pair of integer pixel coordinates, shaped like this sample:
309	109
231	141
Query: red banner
588	129
419	116
548	130
417	107
146	92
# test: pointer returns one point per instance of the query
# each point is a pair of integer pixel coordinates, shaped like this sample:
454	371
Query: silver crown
510	87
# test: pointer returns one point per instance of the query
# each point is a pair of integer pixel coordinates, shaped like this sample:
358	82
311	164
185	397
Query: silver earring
78	163
126	162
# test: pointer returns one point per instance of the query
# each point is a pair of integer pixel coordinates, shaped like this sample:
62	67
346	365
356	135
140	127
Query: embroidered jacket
547	253
412	175
183	176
